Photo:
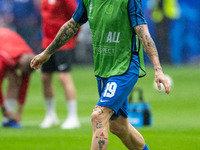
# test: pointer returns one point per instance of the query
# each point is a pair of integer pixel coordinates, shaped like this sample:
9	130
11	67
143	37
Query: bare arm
151	51
149	45
66	32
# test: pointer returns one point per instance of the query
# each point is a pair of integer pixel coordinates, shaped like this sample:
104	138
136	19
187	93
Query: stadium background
176	121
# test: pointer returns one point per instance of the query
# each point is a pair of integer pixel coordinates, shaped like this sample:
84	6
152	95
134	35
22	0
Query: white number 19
110	89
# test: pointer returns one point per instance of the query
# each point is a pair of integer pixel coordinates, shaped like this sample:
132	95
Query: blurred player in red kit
15	56
54	14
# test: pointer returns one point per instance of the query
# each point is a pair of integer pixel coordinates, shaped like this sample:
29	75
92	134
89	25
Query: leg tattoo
99	124
101	143
101	140
98	109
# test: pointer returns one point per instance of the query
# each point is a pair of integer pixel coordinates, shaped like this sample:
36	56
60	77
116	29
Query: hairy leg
68	85
100	118
47	85
12	94
70	94
50	117
13	86
131	138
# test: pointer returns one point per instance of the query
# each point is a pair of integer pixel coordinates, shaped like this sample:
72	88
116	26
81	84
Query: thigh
101	115
63	60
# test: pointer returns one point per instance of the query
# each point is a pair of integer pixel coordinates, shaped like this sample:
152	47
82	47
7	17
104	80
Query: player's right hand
39	60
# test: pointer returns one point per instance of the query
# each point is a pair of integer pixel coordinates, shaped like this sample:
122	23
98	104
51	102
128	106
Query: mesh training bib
111	34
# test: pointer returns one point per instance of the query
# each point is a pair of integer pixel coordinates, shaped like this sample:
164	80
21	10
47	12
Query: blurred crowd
22	16
174	25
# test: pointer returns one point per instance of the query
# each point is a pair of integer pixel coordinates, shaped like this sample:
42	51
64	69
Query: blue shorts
114	91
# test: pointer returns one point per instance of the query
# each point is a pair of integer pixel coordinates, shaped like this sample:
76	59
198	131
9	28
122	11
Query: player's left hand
161	78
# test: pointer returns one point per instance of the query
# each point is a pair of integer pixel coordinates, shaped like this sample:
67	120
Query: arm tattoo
66	32
149	45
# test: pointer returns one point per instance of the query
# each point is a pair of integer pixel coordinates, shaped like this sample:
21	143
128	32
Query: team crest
109	9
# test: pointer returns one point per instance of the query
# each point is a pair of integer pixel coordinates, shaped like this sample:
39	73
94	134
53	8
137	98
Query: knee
95	117
63	78
99	120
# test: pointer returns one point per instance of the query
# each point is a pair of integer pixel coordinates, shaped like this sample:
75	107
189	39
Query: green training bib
111	36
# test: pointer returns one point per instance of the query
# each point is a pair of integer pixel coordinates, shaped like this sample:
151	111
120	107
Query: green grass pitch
176	117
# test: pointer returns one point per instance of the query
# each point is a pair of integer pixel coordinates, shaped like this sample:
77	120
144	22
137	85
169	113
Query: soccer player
54	14
15	57
114	26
